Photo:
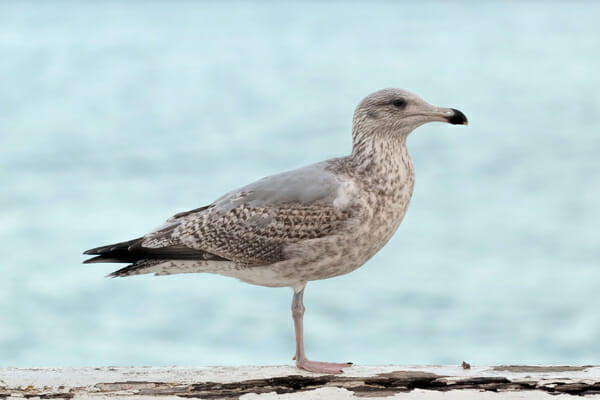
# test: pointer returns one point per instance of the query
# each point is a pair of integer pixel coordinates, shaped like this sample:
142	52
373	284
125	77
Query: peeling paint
210	383
540	368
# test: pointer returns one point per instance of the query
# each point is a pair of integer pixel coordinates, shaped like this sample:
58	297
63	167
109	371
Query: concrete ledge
263	383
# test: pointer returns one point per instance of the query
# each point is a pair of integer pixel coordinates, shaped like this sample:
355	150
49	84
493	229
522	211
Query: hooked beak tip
457	118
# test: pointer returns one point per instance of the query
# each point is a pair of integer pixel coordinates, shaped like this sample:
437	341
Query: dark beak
457	118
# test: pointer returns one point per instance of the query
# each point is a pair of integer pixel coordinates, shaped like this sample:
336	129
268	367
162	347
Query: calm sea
116	115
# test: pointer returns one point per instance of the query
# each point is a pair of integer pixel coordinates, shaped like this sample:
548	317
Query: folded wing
250	226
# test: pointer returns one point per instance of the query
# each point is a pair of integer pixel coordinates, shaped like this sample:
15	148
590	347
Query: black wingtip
112	247
98	250
104	259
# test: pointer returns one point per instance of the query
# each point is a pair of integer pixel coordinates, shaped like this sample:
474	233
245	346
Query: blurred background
116	115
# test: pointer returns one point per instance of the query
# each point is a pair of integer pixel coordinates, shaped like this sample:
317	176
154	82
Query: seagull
316	222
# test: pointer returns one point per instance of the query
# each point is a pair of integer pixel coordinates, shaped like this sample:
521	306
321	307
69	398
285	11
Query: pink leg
301	361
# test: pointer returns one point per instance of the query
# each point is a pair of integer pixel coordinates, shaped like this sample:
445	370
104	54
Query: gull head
398	111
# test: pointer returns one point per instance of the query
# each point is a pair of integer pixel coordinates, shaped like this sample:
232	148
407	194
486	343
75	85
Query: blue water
115	115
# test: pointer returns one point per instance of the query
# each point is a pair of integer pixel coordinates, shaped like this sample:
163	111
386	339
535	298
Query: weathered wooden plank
287	382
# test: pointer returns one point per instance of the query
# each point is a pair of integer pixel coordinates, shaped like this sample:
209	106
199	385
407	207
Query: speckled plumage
315	222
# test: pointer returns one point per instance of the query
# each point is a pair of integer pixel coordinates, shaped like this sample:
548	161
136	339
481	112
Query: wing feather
250	226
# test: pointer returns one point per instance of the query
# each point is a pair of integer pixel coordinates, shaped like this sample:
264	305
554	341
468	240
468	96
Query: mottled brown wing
252	236
253	224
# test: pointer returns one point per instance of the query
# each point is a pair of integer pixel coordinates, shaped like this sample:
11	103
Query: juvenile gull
315	222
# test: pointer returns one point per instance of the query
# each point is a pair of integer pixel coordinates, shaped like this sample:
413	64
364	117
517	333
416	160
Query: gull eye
399	103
